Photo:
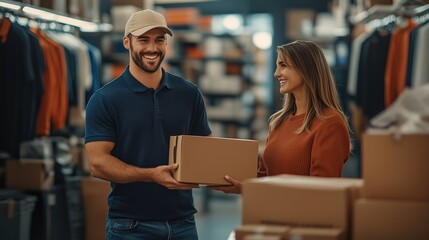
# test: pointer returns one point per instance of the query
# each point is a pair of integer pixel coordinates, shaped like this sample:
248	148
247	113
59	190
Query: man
128	126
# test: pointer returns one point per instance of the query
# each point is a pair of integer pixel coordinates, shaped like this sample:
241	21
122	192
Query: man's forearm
112	169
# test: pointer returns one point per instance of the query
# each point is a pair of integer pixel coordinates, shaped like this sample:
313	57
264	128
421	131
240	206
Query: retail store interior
228	49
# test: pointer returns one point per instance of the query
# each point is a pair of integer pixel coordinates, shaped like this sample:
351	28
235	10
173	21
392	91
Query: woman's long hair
308	59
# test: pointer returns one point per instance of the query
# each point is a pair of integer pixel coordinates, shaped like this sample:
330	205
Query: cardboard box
261	230
186	16
317	234
299	201
30	174
391	219
299	23
206	160
94	194
396	168
259	237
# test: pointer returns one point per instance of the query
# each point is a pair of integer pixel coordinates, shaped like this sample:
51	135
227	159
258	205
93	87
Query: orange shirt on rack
396	65
54	102
60	107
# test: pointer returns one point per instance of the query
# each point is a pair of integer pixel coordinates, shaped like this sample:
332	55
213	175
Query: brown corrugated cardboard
206	160
185	16
94	194
354	193
396	168
317	234
30	174
299	201
391	219
295	19
261	230
258	237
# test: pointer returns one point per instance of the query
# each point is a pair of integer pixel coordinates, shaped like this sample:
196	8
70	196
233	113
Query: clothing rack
421	10
44	15
26	20
403	8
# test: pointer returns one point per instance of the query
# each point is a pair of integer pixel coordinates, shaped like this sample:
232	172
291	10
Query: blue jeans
133	229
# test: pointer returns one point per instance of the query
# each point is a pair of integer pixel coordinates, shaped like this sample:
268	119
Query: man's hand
163	176
235	186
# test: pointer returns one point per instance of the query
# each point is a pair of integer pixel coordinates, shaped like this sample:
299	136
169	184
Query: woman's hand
235	186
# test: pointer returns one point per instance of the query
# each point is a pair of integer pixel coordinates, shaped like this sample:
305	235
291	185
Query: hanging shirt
354	63
84	77
372	83
420	72
17	81
396	66
54	103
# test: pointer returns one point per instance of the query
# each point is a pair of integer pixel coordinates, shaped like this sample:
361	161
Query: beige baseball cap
145	20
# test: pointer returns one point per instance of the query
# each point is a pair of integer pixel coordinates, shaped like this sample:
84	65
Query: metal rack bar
402	8
35	12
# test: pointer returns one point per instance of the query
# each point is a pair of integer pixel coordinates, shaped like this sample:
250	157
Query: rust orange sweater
322	152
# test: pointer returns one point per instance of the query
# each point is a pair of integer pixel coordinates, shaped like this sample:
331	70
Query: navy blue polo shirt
140	122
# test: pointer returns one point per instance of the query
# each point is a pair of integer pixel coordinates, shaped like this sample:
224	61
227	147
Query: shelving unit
216	63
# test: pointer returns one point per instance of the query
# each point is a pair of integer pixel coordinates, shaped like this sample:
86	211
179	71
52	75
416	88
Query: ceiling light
262	40
10	6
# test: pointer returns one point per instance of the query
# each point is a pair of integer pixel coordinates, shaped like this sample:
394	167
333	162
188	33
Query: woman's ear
126	41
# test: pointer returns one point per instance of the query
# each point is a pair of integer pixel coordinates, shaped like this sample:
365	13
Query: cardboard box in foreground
94	193
300	201
396	168
261	230
206	160
390	219
285	232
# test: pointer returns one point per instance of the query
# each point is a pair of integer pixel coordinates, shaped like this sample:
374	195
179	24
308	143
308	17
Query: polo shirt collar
134	85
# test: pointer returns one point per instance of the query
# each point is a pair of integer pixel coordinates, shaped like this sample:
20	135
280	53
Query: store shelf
219	62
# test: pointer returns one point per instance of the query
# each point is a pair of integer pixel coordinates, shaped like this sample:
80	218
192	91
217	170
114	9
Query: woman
310	134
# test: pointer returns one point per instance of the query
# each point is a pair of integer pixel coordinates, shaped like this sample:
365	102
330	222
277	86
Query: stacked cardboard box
283	232
30	174
94	193
395	203
390	202
261	230
312	207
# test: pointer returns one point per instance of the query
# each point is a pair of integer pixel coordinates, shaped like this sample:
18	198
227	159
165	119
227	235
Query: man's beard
137	59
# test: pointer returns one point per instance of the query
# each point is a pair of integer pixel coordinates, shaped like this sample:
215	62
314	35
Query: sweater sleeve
330	149
262	171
